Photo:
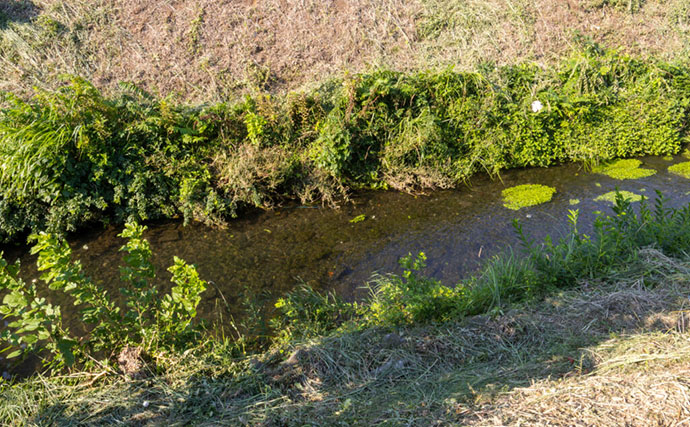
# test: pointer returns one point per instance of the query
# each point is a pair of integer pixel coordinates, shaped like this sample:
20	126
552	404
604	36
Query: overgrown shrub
73	156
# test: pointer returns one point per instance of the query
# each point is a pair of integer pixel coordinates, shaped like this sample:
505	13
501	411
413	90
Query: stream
265	254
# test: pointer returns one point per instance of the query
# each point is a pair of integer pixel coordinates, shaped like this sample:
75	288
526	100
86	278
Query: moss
526	195
611	196
682	169
624	169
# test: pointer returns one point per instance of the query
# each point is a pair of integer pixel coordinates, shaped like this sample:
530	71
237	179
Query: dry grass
214	50
646	385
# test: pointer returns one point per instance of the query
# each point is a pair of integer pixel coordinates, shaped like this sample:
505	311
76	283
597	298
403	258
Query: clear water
265	254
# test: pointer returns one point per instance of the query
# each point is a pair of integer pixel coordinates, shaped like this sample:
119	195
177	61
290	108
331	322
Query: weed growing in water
682	169
147	320
611	196
624	169
526	195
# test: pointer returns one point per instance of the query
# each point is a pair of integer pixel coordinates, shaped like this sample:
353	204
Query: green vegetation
73	156
573	202
358	218
682	169
146	320
611	196
414	350
624	169
508	279
526	195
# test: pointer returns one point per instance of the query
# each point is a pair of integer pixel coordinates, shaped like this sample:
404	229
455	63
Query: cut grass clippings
526	195
624	169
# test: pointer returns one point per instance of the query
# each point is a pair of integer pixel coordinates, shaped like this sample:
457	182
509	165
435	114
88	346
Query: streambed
265	254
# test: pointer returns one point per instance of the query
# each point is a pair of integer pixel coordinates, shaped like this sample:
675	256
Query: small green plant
358	218
306	313
411	298
612	196
145	319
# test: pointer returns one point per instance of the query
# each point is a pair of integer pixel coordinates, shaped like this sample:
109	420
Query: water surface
266	254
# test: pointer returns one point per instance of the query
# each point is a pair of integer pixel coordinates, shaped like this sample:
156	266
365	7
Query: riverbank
603	314
74	156
598	354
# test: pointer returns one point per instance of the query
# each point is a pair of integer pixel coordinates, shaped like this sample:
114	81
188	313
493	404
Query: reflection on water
268	253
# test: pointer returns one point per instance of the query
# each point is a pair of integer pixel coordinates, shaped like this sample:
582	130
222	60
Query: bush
73	156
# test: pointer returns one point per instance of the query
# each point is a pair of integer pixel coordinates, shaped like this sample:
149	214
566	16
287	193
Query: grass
186	50
586	313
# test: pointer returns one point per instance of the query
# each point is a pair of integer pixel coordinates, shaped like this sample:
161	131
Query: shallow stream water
265	254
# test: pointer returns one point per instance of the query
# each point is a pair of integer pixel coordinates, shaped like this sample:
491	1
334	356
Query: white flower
537	106
145	404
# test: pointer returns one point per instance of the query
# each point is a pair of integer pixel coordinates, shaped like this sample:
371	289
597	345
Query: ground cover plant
526	195
74	156
682	169
624	169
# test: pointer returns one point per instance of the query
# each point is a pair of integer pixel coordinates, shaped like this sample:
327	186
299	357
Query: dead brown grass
214	50
647	385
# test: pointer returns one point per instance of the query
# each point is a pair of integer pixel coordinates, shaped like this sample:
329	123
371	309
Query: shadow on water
20	11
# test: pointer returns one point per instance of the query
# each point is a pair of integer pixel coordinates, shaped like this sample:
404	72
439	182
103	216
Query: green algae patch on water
681	169
624	169
525	195
611	196
358	218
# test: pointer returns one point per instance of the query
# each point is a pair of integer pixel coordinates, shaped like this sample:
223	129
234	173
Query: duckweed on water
358	218
611	197
526	195
624	169
682	169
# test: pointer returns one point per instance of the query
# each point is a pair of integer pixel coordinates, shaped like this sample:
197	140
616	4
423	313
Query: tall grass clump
74	156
